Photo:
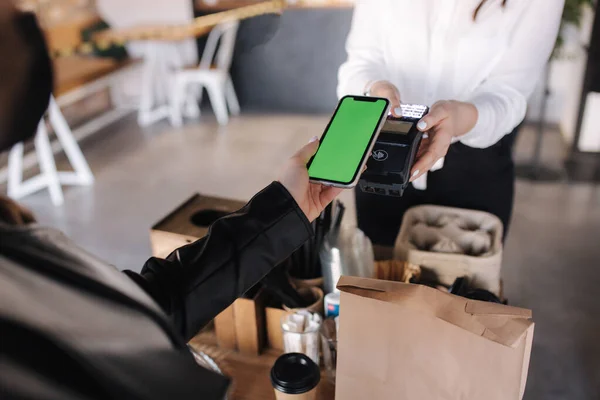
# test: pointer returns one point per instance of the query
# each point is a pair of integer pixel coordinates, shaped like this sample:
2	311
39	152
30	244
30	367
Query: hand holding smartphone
348	141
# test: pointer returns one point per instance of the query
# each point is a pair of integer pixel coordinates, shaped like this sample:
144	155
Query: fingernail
415	173
422	125
313	139
398	111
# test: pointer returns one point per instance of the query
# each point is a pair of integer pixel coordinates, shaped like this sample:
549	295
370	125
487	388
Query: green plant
572	14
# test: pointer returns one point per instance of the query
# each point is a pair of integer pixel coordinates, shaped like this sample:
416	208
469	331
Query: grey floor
551	262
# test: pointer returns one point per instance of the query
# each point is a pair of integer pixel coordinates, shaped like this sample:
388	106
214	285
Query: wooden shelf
152	32
76	71
67	34
201	5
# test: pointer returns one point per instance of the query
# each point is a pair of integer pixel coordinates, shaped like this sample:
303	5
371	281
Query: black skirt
478	179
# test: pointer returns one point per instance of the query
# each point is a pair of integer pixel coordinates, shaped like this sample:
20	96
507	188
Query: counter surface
250	374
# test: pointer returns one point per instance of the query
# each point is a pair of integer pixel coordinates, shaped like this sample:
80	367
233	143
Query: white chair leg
200	95
116	95
149	75
163	73
69	144
192	101
216	94
232	100
15	170
47	165
176	102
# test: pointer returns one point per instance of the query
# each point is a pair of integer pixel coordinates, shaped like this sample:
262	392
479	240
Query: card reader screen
396	126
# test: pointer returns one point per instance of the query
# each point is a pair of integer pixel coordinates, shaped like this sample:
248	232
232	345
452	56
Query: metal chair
49	177
161	57
215	78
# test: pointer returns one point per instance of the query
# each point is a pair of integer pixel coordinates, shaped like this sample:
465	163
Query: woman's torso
433	50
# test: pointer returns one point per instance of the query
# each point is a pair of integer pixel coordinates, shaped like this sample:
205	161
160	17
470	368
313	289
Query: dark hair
481	5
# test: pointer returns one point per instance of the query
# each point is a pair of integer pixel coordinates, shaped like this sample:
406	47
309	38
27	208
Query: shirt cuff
479	136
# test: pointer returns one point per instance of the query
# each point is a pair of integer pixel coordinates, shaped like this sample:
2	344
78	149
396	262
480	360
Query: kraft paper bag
411	342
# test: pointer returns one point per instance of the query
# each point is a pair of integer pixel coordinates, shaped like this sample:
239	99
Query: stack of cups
295	377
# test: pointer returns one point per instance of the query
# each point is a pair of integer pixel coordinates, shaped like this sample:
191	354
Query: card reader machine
388	168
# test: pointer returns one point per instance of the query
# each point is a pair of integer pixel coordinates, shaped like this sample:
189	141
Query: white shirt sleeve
365	61
501	100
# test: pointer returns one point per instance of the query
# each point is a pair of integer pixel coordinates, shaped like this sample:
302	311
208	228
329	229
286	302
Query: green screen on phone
347	138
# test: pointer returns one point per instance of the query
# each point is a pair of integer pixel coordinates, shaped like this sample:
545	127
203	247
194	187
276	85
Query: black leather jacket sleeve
196	282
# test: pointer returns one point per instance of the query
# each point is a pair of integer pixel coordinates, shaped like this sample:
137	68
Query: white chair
49	177
161	57
216	79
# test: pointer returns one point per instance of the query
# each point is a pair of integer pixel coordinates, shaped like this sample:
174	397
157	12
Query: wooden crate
273	318
241	326
250	325
225	329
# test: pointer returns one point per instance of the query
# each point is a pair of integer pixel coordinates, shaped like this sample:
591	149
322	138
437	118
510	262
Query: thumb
309	150
395	106
435	116
395	102
390	92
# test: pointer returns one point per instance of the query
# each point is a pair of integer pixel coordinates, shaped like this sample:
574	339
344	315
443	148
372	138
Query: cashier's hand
311	197
387	90
446	120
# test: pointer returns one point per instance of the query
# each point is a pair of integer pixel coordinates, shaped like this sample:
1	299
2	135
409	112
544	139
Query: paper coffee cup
295	377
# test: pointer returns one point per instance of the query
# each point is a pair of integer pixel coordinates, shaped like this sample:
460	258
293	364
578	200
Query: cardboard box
413	342
189	222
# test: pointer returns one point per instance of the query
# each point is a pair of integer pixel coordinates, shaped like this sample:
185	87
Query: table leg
151	110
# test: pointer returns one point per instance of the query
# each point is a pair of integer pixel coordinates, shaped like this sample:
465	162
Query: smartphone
394	153
348	141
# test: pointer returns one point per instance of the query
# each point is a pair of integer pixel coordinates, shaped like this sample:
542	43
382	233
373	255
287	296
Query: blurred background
145	157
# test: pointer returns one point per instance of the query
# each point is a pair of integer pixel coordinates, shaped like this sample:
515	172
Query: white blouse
432	50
